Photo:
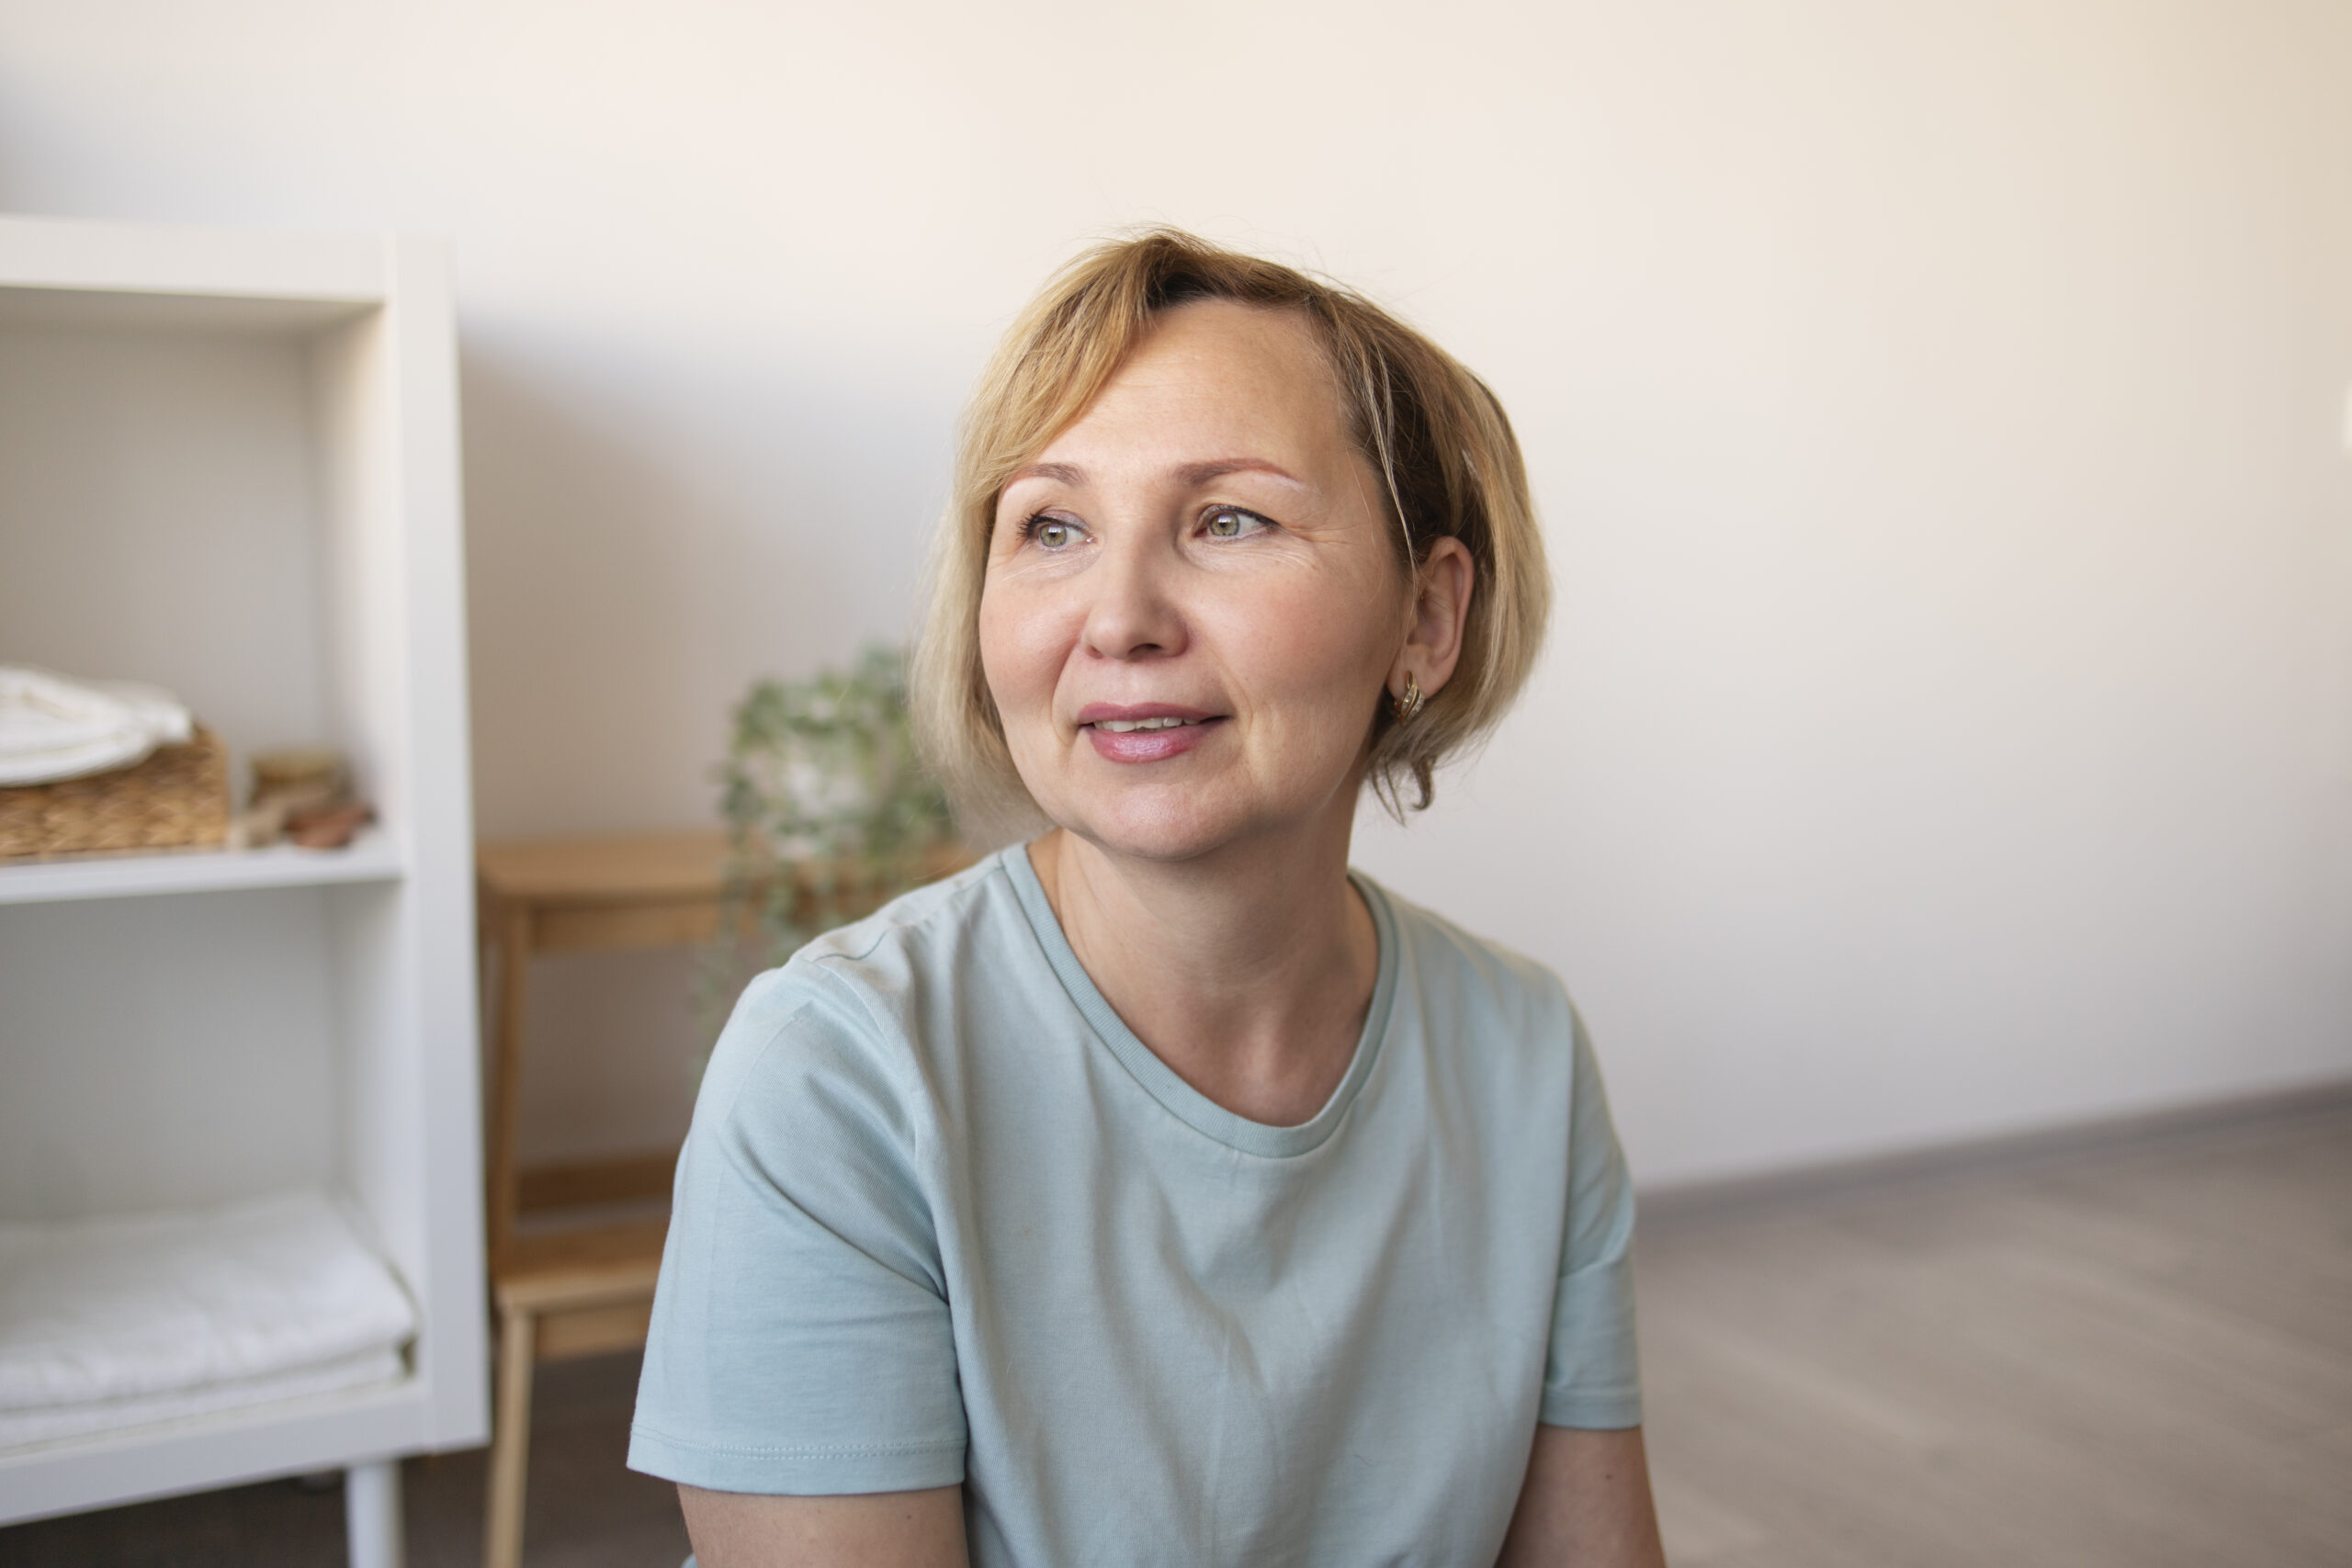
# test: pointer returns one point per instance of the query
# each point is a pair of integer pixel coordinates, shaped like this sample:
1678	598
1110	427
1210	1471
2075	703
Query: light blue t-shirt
942	1218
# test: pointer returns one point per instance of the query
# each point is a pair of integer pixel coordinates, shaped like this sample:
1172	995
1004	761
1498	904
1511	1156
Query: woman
1156	1190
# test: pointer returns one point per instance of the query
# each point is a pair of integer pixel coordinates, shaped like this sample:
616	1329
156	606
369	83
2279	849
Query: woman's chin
1154	826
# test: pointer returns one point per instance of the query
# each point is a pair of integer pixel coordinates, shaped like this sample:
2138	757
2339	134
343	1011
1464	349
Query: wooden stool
585	1292
582	1292
551	1306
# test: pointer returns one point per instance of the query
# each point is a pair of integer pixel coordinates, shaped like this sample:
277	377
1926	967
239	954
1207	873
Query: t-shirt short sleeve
800	1341
1592	1376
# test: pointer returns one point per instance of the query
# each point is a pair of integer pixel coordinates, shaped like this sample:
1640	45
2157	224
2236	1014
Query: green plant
828	814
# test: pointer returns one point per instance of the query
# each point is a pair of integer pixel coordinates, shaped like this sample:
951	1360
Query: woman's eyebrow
1203	473
1061	473
1189	474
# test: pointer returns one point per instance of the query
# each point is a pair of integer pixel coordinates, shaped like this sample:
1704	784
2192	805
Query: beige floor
2136	1359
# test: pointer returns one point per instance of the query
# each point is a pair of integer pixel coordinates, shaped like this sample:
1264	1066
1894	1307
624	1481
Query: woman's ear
1434	620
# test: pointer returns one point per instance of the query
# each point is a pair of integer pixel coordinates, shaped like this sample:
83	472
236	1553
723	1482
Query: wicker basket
178	799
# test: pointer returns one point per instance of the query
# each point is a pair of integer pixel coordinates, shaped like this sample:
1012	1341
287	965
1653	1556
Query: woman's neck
1248	972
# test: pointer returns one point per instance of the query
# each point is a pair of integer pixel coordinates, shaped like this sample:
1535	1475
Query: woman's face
1192	604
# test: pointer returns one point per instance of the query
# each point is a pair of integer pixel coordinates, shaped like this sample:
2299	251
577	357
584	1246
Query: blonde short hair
1430	429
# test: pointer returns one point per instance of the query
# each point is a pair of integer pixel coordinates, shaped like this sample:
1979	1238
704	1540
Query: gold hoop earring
1410	703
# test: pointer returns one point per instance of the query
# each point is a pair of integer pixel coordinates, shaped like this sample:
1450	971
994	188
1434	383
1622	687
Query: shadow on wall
649	529
576	591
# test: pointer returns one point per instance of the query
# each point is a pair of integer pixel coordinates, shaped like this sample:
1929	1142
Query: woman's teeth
1123	726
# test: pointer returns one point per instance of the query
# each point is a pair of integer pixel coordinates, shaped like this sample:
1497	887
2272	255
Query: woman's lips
1153	738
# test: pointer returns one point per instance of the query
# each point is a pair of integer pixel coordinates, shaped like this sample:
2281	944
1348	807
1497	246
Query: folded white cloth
371	1369
154	1305
52	728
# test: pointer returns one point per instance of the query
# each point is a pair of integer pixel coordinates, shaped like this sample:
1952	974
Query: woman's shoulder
847	1011
1453	969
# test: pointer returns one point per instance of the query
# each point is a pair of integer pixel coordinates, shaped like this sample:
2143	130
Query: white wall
1939	410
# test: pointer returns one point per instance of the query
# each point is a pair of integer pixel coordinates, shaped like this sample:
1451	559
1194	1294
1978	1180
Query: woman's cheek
1021	649
1318	645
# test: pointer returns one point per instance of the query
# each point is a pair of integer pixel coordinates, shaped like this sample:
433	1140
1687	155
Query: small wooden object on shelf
302	796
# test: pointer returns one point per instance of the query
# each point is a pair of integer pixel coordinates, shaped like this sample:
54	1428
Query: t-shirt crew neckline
1159	1080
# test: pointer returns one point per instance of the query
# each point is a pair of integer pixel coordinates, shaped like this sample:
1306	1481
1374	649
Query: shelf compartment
136	1322
164	1293
373	856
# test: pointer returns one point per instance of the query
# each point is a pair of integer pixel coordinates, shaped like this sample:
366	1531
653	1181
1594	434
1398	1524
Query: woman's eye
1232	522
1051	533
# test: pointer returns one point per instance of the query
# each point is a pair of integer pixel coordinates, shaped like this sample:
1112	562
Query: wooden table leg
506	1066
510	1448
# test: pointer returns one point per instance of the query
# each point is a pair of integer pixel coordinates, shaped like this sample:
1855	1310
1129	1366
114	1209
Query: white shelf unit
229	466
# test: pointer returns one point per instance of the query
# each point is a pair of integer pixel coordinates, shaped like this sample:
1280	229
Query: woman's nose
1131	613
